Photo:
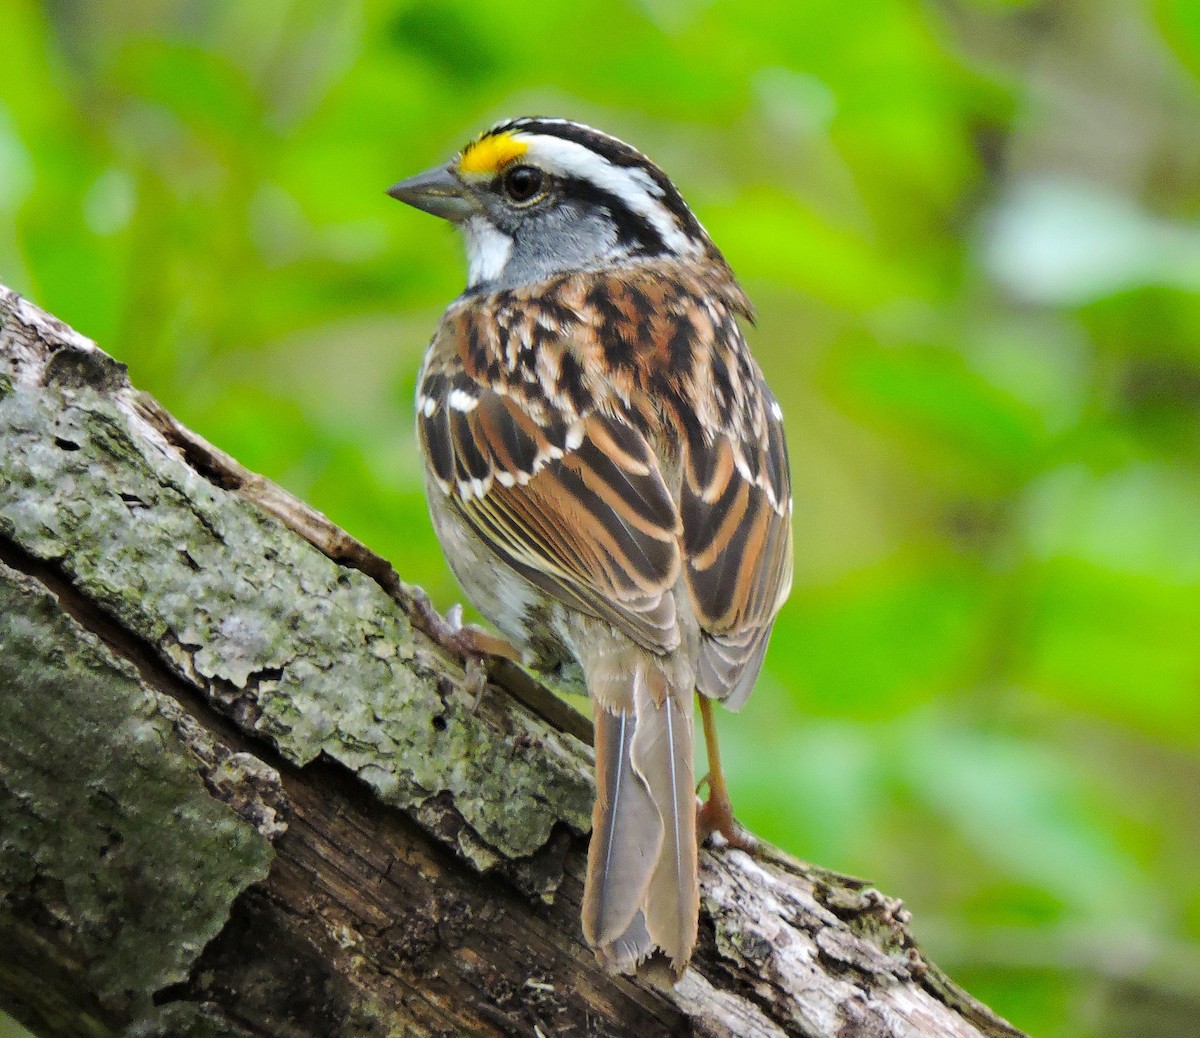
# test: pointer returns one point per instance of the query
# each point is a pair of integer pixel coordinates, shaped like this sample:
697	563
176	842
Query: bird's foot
715	816
475	645
471	640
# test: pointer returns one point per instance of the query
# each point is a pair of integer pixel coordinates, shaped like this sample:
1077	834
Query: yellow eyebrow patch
491	154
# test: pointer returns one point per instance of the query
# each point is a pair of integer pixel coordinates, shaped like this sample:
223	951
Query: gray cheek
556	242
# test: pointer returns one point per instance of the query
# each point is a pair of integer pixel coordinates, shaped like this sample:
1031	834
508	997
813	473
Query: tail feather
626	834
641	891
673	898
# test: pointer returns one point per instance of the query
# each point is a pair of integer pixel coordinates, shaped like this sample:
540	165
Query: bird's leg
473	644
464	639
471	640
716	813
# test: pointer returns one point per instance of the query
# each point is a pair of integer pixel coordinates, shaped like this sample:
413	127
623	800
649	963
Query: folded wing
735	505
577	505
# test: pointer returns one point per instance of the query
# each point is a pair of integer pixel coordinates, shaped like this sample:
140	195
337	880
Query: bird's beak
437	191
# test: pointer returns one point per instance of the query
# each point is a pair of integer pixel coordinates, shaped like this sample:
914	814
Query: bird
608	478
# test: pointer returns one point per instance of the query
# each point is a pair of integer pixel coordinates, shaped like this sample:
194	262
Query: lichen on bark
141	857
318	654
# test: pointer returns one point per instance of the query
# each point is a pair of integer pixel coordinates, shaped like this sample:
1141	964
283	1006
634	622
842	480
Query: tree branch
243	791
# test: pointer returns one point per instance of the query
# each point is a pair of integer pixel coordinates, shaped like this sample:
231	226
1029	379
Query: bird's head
536	197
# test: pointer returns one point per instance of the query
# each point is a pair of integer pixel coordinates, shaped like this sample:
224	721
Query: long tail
641	891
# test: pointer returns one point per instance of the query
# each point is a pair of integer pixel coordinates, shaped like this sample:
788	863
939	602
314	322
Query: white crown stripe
633	186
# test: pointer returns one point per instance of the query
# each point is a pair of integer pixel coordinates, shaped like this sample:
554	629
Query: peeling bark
243	790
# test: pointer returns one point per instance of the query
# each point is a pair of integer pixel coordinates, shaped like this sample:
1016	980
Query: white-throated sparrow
607	474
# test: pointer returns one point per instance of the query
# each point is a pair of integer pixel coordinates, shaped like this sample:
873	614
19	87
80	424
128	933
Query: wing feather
579	508
737	535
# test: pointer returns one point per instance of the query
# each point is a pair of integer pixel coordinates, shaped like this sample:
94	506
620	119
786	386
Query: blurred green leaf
1180	24
931	398
873	645
1006	797
1119	647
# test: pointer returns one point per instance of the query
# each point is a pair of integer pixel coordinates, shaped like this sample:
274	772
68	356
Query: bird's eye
523	183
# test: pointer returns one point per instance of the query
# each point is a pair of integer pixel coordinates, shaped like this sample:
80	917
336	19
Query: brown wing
735	503
577	505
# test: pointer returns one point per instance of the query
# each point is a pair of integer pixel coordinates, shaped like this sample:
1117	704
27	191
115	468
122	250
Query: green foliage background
972	229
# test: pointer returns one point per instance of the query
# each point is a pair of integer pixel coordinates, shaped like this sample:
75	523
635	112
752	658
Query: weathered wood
243	790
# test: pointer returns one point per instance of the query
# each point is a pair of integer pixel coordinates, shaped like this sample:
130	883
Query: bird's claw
715	816
475	645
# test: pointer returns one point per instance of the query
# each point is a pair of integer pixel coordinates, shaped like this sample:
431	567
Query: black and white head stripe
616	175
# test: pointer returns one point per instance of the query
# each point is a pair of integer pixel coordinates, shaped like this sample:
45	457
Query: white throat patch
488	250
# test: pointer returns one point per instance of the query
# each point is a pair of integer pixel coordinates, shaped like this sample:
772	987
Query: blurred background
972	230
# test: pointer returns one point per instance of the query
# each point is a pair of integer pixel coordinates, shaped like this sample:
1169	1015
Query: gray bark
243	790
